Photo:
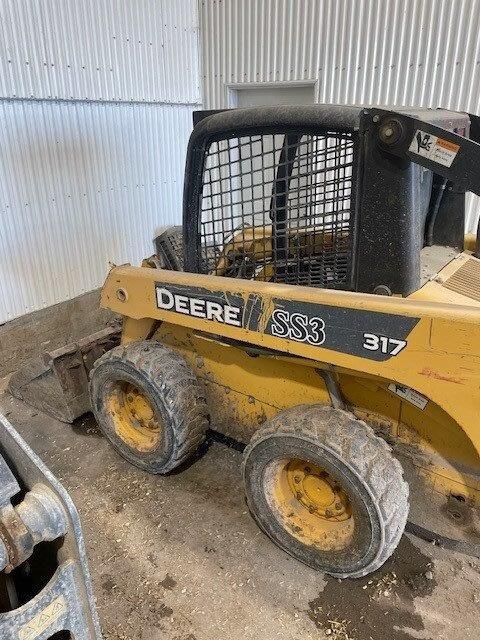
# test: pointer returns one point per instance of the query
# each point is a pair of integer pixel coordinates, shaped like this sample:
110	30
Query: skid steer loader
320	305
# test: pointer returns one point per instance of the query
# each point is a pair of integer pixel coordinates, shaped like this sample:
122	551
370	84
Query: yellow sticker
40	623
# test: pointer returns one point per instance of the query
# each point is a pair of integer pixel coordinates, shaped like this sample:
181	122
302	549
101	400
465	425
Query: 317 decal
383	344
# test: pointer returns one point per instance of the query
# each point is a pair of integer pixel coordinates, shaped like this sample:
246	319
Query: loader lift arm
443	152
344	336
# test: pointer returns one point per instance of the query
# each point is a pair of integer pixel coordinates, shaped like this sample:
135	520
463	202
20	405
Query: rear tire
326	489
149	404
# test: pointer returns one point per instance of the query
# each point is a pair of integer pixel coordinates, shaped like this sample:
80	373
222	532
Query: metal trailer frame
45	513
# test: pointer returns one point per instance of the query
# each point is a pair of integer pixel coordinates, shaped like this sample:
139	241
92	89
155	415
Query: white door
252	95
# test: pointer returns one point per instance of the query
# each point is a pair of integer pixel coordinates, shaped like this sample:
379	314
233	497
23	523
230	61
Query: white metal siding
131	50
96	98
404	52
82	185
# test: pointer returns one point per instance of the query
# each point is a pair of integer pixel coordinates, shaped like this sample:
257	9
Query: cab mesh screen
277	207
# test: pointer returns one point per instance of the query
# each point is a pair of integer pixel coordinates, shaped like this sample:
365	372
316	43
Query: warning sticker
408	394
435	149
40	623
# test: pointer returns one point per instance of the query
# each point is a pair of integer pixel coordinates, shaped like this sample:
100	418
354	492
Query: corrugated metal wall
405	52
96	99
129	50
82	185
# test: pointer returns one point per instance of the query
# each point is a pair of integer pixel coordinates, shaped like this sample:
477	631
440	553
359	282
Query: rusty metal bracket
35	508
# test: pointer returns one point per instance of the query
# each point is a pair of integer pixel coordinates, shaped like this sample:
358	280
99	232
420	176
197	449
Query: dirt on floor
180	558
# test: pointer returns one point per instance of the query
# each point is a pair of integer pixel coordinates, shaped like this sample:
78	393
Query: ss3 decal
298	327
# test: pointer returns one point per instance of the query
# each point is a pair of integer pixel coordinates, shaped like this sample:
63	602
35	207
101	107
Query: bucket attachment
56	383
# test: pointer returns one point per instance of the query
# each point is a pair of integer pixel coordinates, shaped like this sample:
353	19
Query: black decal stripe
344	328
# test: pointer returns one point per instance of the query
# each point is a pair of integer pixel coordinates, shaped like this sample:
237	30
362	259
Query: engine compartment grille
466	280
278	207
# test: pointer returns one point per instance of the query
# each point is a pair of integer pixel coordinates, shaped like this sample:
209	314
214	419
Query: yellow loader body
418	383
290	313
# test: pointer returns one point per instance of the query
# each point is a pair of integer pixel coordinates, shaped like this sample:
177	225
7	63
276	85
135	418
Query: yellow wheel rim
134	419
310	504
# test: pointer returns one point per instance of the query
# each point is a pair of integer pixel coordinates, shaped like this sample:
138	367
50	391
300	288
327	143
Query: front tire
149	404
326	489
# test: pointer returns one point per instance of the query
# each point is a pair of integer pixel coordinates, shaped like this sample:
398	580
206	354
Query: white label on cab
435	149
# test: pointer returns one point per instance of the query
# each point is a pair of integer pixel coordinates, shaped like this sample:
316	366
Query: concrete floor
179	557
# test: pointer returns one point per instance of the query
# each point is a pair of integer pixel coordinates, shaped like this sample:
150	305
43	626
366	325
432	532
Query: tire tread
356	443
180	388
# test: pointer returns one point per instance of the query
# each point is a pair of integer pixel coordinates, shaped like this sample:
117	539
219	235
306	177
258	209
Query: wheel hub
139	408
311	504
134	418
316	491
